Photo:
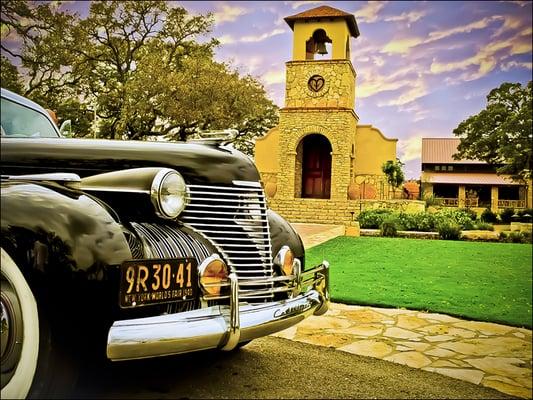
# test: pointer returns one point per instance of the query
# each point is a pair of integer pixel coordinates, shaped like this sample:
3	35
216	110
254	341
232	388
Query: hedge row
421	221
447	222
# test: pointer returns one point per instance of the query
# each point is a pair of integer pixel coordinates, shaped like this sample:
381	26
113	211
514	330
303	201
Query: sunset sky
422	67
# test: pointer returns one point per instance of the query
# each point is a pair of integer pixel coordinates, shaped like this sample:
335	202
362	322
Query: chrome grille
234	219
163	241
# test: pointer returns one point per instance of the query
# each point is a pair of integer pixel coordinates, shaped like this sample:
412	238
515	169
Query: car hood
198	163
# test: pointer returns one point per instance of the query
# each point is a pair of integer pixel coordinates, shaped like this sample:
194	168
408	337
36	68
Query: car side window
20	121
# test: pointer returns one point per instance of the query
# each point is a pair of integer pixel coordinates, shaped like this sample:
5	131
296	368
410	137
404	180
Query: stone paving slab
487	354
314	234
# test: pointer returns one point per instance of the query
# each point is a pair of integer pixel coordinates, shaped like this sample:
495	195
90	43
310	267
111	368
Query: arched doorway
315	153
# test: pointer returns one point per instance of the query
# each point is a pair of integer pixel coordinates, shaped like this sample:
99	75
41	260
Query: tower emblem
316	83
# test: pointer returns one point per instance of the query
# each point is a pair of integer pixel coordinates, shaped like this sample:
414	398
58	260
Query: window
450	167
437	167
20	121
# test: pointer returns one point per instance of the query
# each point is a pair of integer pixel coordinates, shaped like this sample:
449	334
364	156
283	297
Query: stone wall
338	126
338	90
342	212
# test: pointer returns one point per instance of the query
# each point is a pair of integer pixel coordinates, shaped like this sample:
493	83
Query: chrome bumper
221	327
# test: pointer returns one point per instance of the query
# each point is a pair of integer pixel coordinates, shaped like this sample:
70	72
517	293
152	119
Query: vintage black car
141	249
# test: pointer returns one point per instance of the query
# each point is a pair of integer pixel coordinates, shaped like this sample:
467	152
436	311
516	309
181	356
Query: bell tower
318	123
318	165
321	73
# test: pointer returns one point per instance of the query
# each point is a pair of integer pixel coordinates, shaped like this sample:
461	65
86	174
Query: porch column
427	190
494	199
462	196
529	195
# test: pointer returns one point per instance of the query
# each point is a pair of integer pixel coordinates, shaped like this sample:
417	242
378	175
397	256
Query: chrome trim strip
248	214
261	241
55	177
220	226
108	189
224	219
248	183
256	192
211	199
230	207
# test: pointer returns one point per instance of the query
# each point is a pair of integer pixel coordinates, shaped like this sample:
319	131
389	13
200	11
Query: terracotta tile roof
441	150
325	12
467	178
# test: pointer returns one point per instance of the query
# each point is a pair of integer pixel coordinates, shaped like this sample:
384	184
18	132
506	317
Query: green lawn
476	280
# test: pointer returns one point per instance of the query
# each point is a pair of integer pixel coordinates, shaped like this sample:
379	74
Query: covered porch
476	191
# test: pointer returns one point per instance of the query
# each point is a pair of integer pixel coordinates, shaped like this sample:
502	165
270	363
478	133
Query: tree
501	134
394	173
9	77
44	60
140	66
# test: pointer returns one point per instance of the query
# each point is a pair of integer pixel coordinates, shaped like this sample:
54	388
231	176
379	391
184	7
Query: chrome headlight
213	273
285	260
168	193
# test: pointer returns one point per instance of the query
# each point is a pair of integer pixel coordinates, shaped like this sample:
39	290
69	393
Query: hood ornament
219	137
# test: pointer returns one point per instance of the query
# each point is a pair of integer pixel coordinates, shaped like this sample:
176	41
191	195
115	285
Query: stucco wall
372	149
266	151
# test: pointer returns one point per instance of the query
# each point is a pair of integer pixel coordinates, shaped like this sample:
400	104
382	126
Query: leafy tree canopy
501	134
9	76
144	68
393	170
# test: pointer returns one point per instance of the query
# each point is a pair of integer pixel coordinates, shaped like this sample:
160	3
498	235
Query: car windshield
20	121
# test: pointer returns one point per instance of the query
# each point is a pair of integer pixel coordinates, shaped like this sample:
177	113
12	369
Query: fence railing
450	202
511	204
473	202
454	202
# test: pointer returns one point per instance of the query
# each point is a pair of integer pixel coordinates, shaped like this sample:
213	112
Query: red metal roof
441	150
325	12
467	178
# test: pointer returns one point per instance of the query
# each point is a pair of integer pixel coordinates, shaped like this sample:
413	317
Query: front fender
54	229
282	233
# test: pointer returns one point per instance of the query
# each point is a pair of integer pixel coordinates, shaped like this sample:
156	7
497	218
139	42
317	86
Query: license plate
144	282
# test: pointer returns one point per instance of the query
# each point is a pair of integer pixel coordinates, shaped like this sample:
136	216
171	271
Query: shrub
484	226
388	228
456	216
527	237
449	230
372	219
468	211
406	222
488	216
425	222
506	215
515	237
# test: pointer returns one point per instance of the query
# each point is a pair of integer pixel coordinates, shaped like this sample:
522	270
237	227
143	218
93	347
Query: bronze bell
321	48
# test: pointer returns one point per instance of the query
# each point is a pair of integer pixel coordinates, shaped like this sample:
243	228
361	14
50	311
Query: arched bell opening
313	164
319	45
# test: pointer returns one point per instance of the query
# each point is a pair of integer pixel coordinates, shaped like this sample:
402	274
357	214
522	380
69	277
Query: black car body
143	248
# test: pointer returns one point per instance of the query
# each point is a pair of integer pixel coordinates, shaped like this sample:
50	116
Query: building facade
318	163
468	183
